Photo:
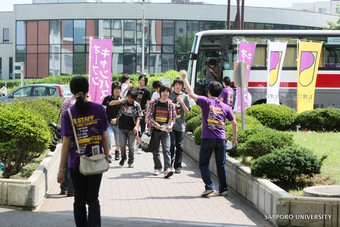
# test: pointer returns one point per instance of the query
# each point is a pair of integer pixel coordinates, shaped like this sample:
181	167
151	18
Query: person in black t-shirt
111	112
161	117
144	97
128	119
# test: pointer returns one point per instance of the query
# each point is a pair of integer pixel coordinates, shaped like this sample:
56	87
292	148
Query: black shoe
168	173
62	192
71	194
121	163
116	155
110	158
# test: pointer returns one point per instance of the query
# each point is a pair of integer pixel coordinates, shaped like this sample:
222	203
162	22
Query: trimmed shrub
285	164
279	117
197	135
320	119
194	111
251	122
47	108
193	123
263	140
23	137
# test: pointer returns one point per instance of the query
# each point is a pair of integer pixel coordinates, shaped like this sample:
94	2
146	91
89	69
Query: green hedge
193	123
14	84
263	140
277	117
47	108
320	119
285	164
23	137
194	111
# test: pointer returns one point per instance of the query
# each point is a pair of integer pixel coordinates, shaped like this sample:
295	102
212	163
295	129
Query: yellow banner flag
308	65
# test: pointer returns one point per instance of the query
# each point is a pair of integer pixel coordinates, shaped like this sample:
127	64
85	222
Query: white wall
6	49
331	6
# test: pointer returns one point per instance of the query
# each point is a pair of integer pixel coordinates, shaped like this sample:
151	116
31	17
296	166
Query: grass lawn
323	143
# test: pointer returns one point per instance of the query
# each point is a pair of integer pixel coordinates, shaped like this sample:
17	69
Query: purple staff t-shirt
214	113
228	96
90	128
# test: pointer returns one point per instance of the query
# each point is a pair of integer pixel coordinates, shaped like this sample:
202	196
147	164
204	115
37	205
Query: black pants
86	191
177	141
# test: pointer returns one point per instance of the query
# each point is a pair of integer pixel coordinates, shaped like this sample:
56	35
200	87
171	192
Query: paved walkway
135	197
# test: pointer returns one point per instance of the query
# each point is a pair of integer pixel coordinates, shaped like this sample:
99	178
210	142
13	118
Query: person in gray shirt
182	105
210	72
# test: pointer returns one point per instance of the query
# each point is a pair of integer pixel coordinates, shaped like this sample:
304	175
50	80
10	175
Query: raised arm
187	85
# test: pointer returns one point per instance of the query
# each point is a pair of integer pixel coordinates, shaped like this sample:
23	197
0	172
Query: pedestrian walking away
91	124
112	112
182	105
66	187
227	94
161	117
214	114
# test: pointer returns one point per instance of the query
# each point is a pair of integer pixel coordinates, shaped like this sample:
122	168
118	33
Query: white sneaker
156	172
207	192
225	193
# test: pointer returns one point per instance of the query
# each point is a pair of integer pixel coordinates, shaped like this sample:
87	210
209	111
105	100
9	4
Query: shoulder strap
74	130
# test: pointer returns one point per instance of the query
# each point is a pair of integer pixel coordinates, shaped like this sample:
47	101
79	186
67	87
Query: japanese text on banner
100	69
246	54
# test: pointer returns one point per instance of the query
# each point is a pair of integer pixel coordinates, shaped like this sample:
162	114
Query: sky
7	5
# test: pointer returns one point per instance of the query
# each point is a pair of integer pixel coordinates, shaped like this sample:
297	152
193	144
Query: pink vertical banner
245	54
100	69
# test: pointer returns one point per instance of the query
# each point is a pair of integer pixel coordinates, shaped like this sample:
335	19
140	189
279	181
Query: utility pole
239	19
228	16
143	35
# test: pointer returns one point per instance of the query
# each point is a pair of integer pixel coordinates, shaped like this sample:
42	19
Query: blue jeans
164	138
110	131
207	148
177	141
127	137
86	191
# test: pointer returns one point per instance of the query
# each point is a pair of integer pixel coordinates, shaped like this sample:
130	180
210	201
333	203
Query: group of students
130	110
164	116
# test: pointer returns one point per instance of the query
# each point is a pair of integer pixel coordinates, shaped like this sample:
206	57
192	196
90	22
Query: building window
10	66
322	10
6	35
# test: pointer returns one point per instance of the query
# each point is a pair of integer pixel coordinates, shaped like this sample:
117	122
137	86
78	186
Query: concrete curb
277	206
31	192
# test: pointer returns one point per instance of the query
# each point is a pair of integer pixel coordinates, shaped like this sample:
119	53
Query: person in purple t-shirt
214	113
227	95
91	124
